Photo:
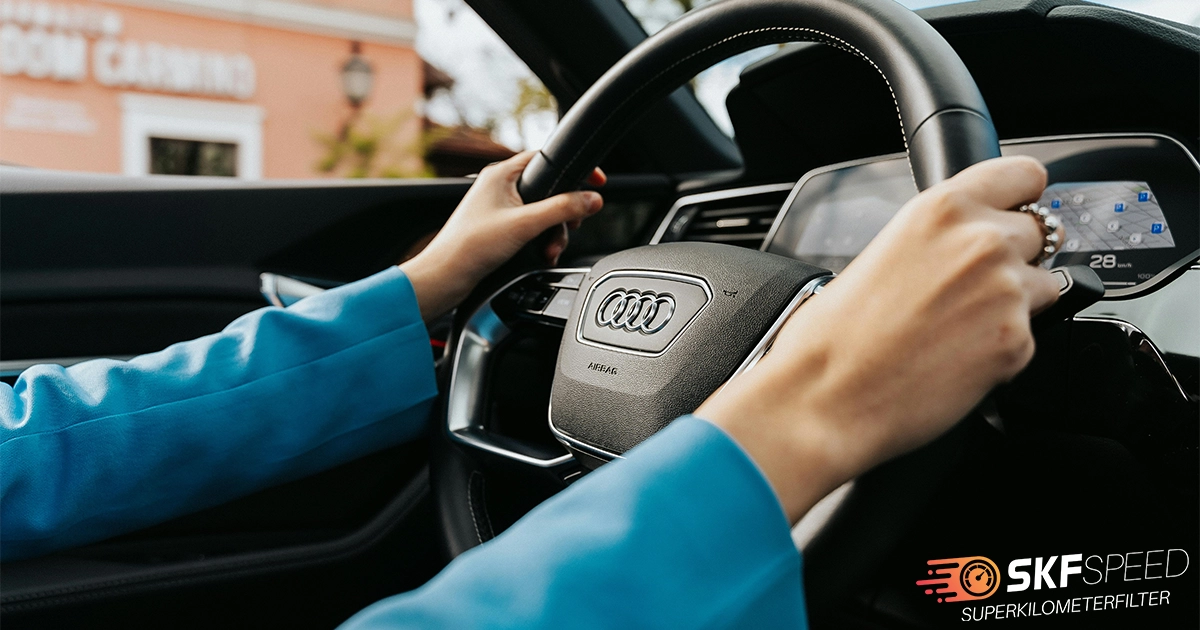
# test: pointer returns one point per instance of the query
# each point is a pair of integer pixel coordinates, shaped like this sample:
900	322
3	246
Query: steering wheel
654	330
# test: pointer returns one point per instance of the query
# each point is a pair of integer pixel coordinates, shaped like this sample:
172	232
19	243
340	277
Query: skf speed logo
1120	575
961	579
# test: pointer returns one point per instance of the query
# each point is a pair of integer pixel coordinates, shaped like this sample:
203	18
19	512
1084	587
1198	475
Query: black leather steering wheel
945	123
722	292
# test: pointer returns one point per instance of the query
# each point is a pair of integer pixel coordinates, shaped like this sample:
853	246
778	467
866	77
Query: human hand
490	225
930	317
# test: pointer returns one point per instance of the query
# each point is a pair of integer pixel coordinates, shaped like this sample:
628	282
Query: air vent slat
737	219
728	238
726	212
722	224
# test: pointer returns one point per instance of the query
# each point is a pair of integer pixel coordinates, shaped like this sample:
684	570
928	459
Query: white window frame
144	116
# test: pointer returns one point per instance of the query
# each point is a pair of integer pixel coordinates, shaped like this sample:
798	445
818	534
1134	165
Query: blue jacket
684	533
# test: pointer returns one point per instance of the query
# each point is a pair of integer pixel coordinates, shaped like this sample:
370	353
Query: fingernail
593	199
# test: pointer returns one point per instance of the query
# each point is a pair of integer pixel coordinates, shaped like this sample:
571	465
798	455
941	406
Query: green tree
367	146
532	98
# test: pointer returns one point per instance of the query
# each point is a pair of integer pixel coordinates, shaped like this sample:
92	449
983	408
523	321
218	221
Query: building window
172	156
190	136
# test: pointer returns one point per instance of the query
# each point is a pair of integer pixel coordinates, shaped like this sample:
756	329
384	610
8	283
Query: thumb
564	208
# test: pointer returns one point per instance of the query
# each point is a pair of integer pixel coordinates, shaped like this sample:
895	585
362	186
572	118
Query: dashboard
1128	205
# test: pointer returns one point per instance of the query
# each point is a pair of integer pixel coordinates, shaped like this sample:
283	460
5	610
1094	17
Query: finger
574	225
1040	286
1024	231
1005	182
508	169
558	243
597	177
563	208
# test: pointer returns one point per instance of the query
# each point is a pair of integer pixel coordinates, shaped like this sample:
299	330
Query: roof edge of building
294	16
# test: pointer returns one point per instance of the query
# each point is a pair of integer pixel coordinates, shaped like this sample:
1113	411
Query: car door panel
137	266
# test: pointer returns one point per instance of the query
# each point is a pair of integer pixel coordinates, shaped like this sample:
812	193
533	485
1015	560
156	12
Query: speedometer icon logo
979	578
961	579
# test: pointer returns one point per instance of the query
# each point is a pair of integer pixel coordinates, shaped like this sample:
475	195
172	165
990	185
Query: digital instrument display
1108	216
1128	207
847	209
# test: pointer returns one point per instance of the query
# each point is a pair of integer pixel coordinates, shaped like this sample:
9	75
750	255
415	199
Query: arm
105	447
683	533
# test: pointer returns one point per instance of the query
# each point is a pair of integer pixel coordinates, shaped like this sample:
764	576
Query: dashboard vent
737	217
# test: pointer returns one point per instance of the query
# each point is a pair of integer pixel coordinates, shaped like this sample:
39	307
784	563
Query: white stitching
829	40
471	506
471	503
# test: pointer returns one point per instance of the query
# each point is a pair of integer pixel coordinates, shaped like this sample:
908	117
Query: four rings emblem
636	311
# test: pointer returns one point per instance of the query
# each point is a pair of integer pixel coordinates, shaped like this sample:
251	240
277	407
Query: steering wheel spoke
539	298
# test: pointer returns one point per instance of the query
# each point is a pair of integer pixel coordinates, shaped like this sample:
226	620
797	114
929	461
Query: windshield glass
713	85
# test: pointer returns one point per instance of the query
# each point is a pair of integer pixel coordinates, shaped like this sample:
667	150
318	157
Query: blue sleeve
105	447
684	533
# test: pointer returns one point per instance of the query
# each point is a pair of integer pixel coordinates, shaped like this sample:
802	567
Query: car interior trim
283	291
814	521
572	443
812	288
119	580
23	180
716	195
1140	342
1159	279
466	400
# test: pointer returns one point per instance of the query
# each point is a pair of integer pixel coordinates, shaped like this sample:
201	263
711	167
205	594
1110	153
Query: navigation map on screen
1108	216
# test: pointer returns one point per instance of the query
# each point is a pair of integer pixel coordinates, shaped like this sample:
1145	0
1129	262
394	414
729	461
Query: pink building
198	86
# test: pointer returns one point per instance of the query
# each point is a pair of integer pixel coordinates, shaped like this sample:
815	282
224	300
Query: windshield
713	85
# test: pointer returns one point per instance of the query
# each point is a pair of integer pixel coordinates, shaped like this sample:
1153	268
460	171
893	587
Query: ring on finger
1049	224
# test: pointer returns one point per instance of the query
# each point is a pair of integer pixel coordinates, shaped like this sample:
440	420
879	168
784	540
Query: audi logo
636	311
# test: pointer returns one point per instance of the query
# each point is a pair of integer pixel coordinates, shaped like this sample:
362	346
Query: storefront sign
50	41
36	113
